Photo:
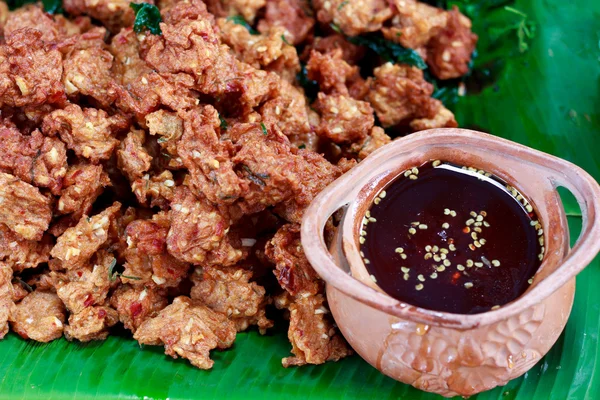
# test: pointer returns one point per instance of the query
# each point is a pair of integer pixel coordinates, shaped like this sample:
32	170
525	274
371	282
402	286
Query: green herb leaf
223	123
525	29
285	40
238	19
147	16
25	284
135	278
311	88
112	276
388	50
53	6
302	146
342	4
264	129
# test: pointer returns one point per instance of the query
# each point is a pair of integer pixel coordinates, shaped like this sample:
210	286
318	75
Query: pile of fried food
158	180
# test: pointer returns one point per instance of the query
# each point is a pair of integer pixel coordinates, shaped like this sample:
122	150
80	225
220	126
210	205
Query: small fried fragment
137	304
343	119
91	324
189	330
7	294
83	184
21	253
39	316
132	158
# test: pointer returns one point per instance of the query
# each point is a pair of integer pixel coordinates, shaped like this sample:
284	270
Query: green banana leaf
542	91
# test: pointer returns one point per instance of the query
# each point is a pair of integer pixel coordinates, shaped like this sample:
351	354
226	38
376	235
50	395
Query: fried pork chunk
23	208
147	259
6	297
343	119
114	14
312	334
230	292
30	71
79	243
292	15
35	159
21	253
83	184
88	132
33	17
334	75
39	316
91	324
199	232
137	304
133	159
188	329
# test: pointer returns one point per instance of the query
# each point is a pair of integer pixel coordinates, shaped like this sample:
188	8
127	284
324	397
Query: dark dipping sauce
451	238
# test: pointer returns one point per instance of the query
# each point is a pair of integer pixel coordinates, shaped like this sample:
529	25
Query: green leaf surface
147	16
547	97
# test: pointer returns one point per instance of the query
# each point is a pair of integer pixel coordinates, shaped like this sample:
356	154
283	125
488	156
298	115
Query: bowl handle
587	192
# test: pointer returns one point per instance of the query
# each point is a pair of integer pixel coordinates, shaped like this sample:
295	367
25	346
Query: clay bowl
445	353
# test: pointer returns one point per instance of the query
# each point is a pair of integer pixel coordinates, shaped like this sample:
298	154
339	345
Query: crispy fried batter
248	8
343	119
32	16
127	65
415	23
35	159
169	127
39	316
288	111
199	232
7	294
83	184
442	119
88	132
334	75
30	71
23	208
114	14
21	253
137	304
91	324
353	17
292	15
160	189
189	330
133	159
375	140
77	245
230	292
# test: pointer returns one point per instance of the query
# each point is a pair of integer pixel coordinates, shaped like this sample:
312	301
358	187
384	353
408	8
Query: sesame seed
382	194
453	213
377	200
361	240
433	275
479	264
530	281
477	223
419	286
474	235
422	226
366	261
436	258
541	256
483	213
412	231
363	233
436	163
445	225
443	256
373	278
406	276
406	270
415	223
413	177
444	251
495	307
428	256
421	277
477	244
460	267
486	224
495	263
479	218
540	232
542	250
452	247
399	250
407	173
447	263
477	229
428	248
519	197
473	214
368	214
468	285
435	249
362	254
533	223
415	170
482	241
472	247
529	208
469	263
440	268
371	219
470	221
541	240
403	256
446	211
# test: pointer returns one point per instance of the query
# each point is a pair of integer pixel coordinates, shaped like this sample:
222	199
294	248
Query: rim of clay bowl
368	176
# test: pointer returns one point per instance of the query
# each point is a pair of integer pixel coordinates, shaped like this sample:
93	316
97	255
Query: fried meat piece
4	12
442	119
199	232
30	71
33	16
7	294
230	292
132	158
114	14
399	93
87	67
248	8
35	159
91	324
127	65
137	304
351	53
314	338
268	51
160	189
415	23
85	286
449	52
207	157
292	269
169	127
334	75
21	253
353	17
79	243
375	140
288	111
292	15
88	132
83	184
147	258
39	316
343	119
189	330
23	208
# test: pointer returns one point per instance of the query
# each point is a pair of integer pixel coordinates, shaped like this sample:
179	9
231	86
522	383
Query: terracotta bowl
445	353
